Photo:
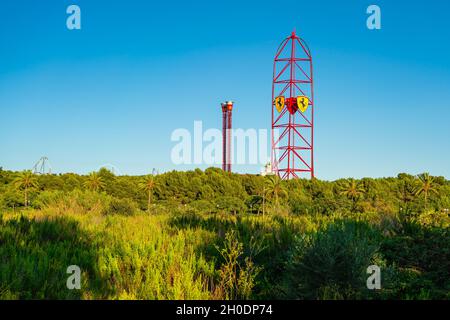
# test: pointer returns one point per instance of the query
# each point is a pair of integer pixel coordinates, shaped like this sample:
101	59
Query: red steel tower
293	110
227	109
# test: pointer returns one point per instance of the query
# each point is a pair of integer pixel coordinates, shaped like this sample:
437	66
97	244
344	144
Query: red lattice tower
293	110
227	109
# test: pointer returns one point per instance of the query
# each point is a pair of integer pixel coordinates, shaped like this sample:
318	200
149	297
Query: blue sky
114	91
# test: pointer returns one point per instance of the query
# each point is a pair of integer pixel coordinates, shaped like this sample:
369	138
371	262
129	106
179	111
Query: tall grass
179	253
121	257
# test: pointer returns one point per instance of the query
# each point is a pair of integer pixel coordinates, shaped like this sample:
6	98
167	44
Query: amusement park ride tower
293	110
227	109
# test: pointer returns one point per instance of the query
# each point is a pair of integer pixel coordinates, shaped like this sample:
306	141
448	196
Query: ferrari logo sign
302	103
279	103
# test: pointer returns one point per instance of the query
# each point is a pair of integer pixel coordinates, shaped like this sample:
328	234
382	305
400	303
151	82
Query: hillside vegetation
214	235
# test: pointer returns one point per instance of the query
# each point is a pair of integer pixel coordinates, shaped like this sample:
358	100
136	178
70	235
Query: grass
184	254
121	257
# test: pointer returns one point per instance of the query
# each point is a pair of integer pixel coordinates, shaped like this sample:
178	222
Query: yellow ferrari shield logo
302	103
279	103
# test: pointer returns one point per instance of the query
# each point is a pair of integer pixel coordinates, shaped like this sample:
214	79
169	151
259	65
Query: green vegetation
25	181
148	184
214	235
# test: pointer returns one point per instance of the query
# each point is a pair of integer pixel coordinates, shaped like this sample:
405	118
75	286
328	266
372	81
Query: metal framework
293	124
227	109
42	166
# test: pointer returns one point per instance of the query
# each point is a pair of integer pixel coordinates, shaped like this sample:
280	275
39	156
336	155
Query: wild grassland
171	248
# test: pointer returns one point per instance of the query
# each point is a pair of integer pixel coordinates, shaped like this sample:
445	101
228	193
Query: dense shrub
314	241
11	198
76	201
203	206
120	206
422	255
230	204
34	256
237	274
332	263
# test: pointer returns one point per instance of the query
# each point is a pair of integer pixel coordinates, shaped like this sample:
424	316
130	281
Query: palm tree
426	186
275	188
94	182
26	181
352	189
148	184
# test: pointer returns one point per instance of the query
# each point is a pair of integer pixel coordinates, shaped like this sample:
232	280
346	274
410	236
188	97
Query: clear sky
114	91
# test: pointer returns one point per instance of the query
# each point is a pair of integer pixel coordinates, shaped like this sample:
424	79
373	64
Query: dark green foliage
332	263
422	255
254	203
120	206
203	206
230	204
314	241
384	195
11	198
34	256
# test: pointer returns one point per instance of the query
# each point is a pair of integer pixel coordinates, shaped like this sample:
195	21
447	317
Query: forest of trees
215	235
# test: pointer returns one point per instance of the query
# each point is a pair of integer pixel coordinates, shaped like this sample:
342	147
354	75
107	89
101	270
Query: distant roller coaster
42	166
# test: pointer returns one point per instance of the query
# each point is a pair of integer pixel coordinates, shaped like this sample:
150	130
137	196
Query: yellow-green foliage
122	257
211	235
142	260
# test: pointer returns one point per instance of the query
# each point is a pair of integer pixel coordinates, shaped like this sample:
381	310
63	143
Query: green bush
316	242
230	204
48	198
203	206
124	207
11	198
34	256
237	278
422	259
332	263
77	200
